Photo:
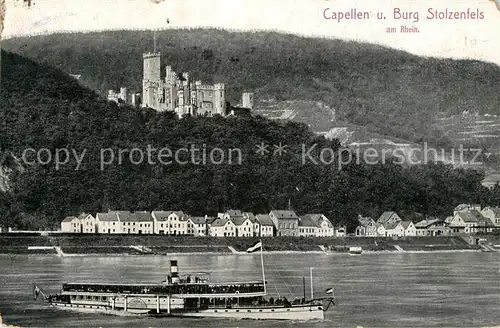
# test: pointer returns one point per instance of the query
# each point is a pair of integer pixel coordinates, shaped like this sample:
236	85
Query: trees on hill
43	108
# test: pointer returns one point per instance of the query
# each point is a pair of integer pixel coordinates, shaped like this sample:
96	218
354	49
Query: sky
467	38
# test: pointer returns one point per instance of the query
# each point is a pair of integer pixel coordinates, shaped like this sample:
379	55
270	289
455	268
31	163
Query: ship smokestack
174	271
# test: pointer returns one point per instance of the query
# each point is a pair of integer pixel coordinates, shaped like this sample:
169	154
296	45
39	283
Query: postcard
249	163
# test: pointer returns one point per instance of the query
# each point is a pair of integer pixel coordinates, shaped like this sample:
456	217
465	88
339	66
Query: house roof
365	221
83	216
448	219
390	225
318	218
470	216
110	216
406	224
219	222
69	218
143	216
249	215
210	219
463	207
198	219
307	222
426	223
161	215
486	222
239	220
264	220
280	214
180	214
386	216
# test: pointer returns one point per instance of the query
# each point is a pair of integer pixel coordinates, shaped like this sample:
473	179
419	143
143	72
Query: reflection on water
381	290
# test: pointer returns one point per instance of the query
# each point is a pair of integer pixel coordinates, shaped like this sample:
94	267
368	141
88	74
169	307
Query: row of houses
232	223
466	219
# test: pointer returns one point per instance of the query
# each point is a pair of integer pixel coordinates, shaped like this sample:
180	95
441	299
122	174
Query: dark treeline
41	107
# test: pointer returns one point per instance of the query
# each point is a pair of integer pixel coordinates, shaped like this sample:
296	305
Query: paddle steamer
189	296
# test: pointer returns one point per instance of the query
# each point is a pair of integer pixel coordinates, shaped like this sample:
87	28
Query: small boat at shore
355	250
189	296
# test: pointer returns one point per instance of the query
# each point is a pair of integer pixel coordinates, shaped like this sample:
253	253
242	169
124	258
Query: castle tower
151	79
247	100
219	102
151	71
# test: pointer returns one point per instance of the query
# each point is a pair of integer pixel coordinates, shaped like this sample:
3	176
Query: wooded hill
387	91
42	107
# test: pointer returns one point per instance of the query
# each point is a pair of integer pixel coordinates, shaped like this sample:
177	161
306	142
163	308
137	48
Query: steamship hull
300	312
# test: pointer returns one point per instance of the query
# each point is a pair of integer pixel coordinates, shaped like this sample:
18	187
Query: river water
372	290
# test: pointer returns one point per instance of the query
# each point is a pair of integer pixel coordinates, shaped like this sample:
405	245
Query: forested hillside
41	107
387	91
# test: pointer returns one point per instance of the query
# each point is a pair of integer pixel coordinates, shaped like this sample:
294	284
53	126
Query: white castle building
177	93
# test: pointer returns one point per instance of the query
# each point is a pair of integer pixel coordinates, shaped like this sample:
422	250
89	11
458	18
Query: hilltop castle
177	92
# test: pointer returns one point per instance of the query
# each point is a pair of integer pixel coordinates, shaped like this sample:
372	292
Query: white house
324	226
307	227
136	222
432	227
493	213
160	222
197	226
108	223
394	229
253	219
88	222
340	231
466	221
366	227
409	228
71	224
266	226
170	222
244	226
221	227
178	223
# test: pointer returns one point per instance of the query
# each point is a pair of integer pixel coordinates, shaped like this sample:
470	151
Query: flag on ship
329	291
255	247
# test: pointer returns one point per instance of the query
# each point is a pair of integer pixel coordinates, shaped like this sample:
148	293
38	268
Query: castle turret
247	100
219	99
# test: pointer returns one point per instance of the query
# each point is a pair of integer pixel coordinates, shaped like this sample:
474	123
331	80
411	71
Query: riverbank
130	245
